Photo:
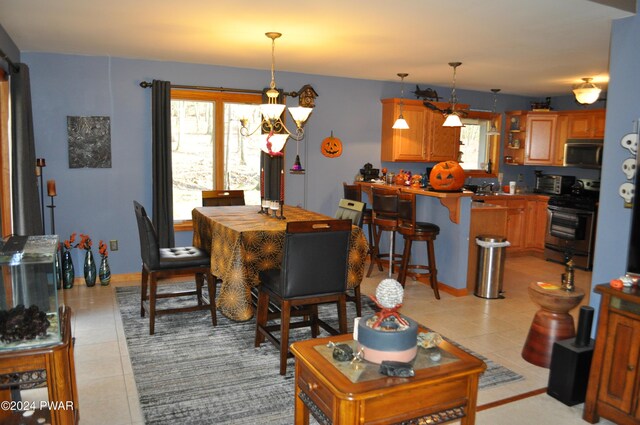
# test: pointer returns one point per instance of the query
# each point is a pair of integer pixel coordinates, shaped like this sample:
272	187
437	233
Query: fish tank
29	276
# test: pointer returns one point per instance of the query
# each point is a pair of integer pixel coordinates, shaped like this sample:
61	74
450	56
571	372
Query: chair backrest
350	210
149	246
315	258
352	191
407	209
221	198
385	204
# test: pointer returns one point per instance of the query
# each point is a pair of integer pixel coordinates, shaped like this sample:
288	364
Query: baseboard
456	292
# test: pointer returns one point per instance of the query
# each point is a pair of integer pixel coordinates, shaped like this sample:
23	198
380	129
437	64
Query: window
207	150
477	148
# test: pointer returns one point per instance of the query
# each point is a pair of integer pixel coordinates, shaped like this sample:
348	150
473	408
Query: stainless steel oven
571	225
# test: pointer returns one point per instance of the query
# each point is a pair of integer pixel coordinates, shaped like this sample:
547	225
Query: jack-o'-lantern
447	176
331	147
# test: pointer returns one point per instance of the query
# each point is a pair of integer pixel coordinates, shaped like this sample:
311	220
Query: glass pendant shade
300	114
277	142
587	92
400	124
271	111
493	131
453	120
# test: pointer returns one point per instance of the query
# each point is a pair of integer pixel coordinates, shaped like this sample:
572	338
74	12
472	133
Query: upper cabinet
586	125
425	140
540	139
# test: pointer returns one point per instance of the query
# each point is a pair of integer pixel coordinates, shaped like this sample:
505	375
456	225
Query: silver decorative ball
389	293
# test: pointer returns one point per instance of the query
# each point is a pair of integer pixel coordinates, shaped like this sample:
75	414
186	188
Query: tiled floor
494	328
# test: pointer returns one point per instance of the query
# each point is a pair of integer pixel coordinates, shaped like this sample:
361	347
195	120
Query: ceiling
536	48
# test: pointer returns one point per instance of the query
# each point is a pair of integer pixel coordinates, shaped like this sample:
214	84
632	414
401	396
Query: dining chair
385	219
313	271
161	263
352	210
221	198
414	231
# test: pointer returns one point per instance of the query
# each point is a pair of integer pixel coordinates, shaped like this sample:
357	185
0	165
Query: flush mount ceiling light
493	131
587	92
276	133
453	118
401	123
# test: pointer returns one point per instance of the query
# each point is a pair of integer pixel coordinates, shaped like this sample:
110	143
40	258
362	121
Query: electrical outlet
113	245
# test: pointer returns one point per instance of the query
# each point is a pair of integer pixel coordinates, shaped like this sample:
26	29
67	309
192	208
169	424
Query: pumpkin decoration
331	147
447	176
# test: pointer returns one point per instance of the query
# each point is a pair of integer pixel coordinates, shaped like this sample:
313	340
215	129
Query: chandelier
587	92
275	133
453	118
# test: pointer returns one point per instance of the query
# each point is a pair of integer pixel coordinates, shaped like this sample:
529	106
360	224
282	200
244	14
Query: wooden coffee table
337	393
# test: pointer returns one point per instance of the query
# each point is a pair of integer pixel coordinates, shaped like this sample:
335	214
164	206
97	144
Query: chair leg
143	290
406	256
285	318
375	257
358	300
371	241
342	314
199	283
152	304
262	312
211	287
315	327
433	272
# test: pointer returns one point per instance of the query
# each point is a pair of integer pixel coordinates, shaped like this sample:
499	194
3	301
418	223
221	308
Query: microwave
551	184
583	153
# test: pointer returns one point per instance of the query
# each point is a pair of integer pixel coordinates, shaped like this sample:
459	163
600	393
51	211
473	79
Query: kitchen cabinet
614	381
515	220
536	223
586	125
540	139
425	140
562	131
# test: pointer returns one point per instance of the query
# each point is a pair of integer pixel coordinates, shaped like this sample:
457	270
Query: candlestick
38	171
51	188
51	207
281	185
40	164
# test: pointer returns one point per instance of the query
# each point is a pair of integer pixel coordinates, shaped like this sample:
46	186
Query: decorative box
29	276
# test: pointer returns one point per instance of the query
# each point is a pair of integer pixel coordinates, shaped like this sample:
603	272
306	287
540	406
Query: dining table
243	242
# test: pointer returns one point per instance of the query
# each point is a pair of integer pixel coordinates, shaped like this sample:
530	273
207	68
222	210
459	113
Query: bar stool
412	231
353	192
385	219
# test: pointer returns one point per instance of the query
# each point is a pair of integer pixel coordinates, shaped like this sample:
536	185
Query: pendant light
587	92
401	123
453	119
493	131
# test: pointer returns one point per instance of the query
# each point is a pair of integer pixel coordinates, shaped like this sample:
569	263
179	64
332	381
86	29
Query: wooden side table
335	394
58	362
551	323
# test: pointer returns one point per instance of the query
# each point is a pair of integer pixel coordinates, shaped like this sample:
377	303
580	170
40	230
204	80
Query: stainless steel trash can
490	271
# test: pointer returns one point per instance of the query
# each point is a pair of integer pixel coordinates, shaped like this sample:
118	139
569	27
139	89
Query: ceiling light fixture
587	92
401	123
453	118
276	133
493	131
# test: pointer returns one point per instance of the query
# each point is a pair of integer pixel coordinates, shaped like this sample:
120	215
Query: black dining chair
313	271
160	263
220	198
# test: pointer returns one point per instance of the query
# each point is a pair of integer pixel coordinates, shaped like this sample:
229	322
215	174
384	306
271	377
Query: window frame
493	141
220	98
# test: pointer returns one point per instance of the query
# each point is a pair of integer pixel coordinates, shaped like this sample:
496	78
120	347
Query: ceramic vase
89	269
68	273
105	272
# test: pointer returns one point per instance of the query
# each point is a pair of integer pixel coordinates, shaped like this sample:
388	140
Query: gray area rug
192	373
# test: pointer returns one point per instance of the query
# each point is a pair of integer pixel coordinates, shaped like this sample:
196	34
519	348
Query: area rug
192	373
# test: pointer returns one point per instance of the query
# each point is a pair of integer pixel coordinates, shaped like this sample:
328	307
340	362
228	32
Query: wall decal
627	190
89	142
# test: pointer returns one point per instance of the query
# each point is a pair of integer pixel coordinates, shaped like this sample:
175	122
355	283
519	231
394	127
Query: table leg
470	417
301	410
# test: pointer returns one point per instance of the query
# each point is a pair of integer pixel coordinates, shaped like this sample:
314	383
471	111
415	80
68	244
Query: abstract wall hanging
89	142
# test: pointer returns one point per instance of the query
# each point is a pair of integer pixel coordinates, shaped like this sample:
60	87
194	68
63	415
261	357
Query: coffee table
336	393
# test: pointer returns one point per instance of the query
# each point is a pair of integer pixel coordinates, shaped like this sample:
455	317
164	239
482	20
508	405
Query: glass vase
68	273
89	269
105	272
58	266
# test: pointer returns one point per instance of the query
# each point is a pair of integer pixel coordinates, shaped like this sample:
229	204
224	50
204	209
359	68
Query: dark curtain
27	219
161	174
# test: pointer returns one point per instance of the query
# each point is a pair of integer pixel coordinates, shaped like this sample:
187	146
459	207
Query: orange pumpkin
331	147
447	176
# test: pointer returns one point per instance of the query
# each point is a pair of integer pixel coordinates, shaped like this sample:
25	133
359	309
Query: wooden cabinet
614	380
515	137
540	139
586	125
425	140
562	129
536	223
515	220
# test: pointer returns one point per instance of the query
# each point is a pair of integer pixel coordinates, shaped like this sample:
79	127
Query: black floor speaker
571	362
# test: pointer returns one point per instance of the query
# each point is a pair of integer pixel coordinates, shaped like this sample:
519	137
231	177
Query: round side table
551	323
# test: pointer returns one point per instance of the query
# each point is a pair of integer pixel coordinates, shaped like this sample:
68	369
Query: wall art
89	142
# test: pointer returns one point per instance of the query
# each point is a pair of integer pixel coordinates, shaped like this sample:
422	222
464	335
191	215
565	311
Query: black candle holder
53	220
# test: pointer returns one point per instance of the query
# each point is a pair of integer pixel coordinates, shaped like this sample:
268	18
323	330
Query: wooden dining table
242	243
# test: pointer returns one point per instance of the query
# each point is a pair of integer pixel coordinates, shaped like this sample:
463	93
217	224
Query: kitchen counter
507	196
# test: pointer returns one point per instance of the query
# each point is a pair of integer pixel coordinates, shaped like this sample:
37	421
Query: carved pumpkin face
331	147
447	176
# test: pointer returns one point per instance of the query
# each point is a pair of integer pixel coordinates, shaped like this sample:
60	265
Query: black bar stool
413	230
353	192
385	219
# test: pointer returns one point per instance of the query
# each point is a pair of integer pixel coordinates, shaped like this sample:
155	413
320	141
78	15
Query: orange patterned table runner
243	242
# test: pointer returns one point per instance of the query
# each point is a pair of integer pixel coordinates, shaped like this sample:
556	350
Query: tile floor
494	328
